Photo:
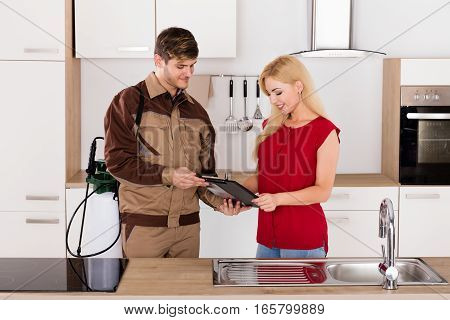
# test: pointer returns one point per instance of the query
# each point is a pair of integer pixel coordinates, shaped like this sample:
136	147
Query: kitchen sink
319	272
411	272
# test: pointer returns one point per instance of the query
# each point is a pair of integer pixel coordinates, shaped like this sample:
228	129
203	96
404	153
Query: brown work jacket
174	132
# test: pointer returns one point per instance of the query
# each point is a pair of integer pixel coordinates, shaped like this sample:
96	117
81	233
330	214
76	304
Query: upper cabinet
124	29
114	28
213	23
35	30
431	72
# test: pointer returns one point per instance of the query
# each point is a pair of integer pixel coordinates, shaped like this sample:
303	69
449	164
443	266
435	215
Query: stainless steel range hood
330	27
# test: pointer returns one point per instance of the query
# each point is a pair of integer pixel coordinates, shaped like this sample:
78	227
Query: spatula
231	125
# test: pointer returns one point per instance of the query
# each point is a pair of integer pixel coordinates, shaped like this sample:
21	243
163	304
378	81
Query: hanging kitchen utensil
257	115
231	125
245	123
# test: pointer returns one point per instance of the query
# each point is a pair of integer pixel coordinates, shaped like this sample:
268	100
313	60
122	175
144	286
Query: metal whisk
257	115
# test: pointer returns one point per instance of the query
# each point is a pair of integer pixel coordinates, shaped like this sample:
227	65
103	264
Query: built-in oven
425	135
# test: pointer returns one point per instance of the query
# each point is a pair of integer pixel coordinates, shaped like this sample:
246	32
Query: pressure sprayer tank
101	222
102	226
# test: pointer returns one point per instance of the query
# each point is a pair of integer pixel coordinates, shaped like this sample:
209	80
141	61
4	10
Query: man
157	138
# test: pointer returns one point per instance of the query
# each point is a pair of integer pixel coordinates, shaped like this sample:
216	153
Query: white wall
350	88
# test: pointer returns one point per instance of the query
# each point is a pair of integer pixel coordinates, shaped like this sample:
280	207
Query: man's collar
155	88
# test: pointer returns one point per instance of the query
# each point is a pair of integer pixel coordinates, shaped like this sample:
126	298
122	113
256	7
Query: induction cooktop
61	275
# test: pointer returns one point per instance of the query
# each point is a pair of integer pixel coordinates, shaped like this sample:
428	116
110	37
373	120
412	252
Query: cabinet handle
133	49
340	196
339	220
41	198
41	221
422	196
41	50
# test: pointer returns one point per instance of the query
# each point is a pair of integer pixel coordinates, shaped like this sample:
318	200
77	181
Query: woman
297	155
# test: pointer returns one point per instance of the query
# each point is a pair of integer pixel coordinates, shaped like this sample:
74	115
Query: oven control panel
425	96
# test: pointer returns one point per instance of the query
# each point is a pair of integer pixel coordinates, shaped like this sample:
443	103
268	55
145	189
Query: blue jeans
265	252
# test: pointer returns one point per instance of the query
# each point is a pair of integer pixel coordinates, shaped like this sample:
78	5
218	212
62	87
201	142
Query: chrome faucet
387	230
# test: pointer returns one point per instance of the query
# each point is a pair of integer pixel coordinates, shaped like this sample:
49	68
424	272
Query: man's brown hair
176	43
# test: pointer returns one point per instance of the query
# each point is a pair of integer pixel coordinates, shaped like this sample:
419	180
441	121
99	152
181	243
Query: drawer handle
423	196
41	50
133	49
41	198
41	221
340	220
428	116
340	196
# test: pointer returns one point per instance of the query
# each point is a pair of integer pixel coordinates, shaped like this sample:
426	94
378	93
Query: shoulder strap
140	108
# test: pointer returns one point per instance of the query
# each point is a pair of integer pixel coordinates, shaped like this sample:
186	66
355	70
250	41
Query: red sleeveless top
287	162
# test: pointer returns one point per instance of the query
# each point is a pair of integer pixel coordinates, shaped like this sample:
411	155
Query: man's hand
228	209
184	178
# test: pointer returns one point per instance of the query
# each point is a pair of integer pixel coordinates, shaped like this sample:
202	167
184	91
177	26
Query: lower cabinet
355	233
352	215
422	225
424	222
32	235
227	236
350	234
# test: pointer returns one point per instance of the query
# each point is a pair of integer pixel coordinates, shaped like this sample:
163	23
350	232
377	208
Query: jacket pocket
191	143
154	138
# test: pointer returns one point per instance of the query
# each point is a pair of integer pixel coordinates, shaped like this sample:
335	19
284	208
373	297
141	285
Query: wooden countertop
342	180
171	278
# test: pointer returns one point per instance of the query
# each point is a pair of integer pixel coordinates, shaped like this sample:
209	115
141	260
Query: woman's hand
228	209
266	201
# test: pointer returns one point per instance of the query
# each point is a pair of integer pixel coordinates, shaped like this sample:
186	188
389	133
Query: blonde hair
287	69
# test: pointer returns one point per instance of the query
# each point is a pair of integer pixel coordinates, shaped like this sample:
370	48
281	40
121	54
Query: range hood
330	28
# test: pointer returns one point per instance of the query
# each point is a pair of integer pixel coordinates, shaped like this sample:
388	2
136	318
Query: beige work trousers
162	242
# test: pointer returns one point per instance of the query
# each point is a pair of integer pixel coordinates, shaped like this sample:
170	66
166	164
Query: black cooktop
61	275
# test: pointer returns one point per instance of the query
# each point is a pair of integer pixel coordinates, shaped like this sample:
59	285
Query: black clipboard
231	189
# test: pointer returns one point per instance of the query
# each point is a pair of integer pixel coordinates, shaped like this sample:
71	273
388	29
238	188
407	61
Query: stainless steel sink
318	272
411	272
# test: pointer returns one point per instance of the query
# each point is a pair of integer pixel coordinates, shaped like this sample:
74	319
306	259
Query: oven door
425	145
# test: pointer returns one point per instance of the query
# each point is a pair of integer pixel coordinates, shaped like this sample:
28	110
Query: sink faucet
387	230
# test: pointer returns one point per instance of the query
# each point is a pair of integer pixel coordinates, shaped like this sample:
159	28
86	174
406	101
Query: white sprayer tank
101	226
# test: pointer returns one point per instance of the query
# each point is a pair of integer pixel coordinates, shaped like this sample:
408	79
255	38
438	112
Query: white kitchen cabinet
100	227
352	214
355	233
360	198
350	234
32	234
431	72
32	30
114	28
213	23
227	236
424	221
32	117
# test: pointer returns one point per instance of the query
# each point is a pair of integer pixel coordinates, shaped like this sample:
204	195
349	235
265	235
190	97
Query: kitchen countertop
172	278
342	180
